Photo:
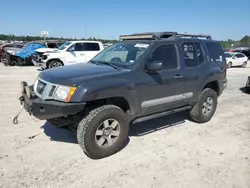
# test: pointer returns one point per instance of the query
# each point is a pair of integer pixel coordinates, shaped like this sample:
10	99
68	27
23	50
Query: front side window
122	54
167	55
64	45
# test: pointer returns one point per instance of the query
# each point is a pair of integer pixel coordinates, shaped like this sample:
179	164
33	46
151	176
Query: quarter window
215	52
167	55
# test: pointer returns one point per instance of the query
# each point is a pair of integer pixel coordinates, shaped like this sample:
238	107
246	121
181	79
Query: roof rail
160	35
148	36
194	35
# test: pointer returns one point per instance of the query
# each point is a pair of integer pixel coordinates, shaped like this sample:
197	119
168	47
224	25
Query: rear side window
239	55
91	47
215	52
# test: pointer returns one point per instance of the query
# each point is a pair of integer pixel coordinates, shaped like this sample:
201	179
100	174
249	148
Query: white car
236	59
69	53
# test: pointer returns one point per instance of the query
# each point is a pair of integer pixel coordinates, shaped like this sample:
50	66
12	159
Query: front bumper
45	110
37	61
224	84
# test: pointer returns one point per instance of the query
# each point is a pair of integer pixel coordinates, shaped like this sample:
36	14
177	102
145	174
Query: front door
164	89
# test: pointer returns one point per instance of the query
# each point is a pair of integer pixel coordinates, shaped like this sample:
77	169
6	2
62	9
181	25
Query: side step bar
153	116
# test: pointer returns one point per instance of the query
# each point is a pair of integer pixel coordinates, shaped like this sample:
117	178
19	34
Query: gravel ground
167	152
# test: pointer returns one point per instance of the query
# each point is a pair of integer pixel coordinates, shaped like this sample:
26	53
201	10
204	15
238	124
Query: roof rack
194	35
160	36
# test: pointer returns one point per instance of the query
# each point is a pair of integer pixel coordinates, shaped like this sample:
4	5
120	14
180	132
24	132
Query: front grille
52	91
40	87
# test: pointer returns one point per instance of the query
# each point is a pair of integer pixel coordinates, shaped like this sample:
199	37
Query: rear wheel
244	64
247	88
205	107
103	132
55	63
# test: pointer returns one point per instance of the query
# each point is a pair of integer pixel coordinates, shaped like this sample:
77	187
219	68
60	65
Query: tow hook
21	100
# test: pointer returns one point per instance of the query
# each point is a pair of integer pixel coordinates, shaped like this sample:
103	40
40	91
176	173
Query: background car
243	50
236	59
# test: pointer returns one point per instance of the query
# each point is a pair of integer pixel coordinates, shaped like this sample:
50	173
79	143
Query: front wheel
229	65
205	107
103	132
55	63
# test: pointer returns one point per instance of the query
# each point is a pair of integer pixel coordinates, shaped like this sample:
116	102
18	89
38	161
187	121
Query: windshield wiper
111	65
105	63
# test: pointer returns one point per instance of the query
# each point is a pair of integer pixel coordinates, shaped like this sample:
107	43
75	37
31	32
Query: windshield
64	45
122	54
228	55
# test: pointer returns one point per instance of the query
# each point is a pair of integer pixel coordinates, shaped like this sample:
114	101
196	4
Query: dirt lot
167	152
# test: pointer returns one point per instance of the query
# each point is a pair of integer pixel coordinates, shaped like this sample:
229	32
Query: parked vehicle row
23	56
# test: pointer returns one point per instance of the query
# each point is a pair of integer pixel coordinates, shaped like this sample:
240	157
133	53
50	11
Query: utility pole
85	31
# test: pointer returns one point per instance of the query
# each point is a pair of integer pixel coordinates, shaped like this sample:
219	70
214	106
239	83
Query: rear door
240	59
194	65
91	49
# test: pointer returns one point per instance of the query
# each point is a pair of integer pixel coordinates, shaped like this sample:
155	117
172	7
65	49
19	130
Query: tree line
244	42
34	38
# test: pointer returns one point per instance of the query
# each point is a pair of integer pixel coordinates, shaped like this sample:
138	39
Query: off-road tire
229	65
247	89
89	124
244	64
50	65
196	112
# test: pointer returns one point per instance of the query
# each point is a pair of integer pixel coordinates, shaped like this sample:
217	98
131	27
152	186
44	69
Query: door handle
81	54
178	76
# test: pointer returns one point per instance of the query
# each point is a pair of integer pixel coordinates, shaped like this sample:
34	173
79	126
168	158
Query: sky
107	19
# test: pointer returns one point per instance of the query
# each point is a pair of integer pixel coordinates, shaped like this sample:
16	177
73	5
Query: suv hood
77	73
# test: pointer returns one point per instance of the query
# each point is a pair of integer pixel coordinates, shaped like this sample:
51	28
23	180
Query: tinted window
91	47
239	55
215	52
189	54
200	52
166	54
79	47
52	45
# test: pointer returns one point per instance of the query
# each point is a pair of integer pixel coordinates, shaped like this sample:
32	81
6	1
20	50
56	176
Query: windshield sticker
141	45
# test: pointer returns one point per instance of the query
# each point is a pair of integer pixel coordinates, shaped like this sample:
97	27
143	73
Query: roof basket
160	36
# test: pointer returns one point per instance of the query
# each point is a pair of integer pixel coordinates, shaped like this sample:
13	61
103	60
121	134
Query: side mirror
70	50
154	66
234	57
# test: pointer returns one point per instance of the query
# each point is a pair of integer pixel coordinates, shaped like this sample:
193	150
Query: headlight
44	57
64	93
